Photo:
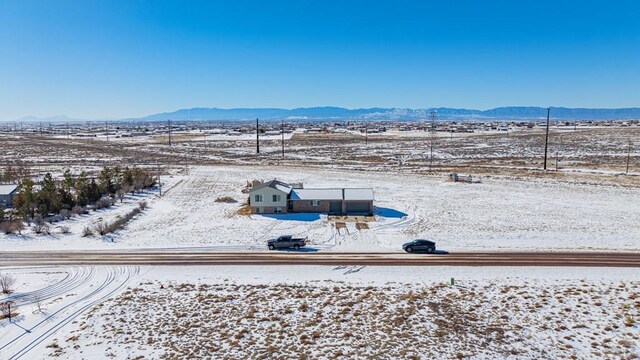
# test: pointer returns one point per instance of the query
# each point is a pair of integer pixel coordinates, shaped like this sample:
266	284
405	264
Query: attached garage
341	201
358	207
358	201
335	207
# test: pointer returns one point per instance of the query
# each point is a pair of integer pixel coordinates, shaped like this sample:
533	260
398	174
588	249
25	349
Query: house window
276	198
258	198
315	202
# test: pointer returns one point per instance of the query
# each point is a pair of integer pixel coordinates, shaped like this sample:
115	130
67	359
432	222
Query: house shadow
388	212
293	217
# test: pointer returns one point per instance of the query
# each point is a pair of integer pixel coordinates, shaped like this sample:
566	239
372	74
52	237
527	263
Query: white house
270	197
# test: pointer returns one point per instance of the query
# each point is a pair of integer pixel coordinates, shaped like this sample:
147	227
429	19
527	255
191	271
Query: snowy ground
48	299
495	215
328	312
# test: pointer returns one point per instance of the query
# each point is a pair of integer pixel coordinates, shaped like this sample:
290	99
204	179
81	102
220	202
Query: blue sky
123	58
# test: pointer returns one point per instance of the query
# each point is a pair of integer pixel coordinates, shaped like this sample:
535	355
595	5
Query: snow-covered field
497	214
326	312
47	300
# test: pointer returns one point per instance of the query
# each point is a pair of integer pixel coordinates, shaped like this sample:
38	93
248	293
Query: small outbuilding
7	194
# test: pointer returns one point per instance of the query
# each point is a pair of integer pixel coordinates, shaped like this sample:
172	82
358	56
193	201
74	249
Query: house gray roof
358	194
316	194
8	189
274	184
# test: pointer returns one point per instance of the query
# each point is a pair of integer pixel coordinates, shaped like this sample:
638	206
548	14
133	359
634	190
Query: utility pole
546	140
282	133
159	182
366	134
257	137
433	115
628	156
169	124
557	151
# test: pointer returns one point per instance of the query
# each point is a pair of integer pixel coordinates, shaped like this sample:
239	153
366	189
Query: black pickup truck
285	242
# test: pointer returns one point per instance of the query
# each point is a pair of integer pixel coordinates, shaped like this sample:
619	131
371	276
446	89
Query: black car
419	246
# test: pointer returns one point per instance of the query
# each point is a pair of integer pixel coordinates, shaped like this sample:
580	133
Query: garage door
359	207
335	207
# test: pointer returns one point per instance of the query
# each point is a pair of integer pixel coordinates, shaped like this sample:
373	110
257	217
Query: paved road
147	257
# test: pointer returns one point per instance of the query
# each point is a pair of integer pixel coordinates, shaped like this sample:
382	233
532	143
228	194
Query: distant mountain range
340	114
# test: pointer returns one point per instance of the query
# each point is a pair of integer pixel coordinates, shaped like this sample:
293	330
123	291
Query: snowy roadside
329	312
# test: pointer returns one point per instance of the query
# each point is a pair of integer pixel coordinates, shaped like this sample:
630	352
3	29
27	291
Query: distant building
278	197
7	194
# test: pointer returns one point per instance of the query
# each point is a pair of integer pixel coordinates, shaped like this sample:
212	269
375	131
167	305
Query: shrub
101	227
142	204
87	231
6	227
38	220
103	203
119	223
65	229
226	199
6	283
77	210
65	213
40	228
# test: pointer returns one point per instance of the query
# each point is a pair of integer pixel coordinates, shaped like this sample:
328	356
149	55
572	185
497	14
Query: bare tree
8	309
120	194
6	283
38	300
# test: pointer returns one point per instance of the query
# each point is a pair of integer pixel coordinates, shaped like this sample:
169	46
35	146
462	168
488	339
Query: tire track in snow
74	278
117	277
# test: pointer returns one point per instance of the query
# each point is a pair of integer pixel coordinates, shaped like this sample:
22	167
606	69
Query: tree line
74	192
